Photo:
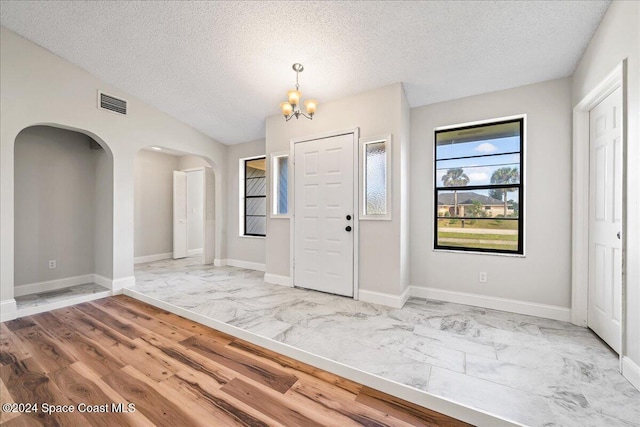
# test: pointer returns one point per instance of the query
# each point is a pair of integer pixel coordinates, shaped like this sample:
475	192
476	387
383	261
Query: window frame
387	139
521	251
273	212
242	217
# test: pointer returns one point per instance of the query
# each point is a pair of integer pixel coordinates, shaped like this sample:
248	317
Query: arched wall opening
174	206
63	210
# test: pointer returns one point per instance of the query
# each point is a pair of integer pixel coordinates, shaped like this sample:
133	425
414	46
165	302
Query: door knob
348	217
618	235
348	228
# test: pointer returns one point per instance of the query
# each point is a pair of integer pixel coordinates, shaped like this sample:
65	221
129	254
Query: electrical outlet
52	263
482	277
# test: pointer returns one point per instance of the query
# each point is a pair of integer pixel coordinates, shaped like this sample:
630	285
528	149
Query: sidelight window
280	184
375	155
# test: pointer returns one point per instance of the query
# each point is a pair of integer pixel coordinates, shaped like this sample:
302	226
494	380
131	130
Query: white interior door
195	210
179	214
323	199
209	216
605	219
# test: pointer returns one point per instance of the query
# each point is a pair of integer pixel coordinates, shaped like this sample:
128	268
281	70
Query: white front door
605	219
323	201
179	214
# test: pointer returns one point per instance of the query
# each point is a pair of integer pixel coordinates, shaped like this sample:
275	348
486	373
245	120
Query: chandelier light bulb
310	105
294	97
287	108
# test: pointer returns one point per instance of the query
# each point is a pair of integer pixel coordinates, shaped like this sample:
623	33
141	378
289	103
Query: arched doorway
174	208
63	209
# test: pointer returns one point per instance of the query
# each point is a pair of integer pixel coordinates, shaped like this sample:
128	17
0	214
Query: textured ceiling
222	67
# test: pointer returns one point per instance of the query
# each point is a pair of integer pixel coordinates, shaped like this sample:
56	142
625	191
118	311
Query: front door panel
323	241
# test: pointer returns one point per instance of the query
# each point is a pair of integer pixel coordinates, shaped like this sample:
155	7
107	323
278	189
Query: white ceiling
222	67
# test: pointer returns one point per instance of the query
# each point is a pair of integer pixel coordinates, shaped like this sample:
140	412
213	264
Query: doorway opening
63	218
174	207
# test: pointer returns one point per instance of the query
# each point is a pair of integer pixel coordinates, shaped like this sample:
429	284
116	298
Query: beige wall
617	38
375	112
39	87
240	248
103	202
153	208
188	162
543	276
55	178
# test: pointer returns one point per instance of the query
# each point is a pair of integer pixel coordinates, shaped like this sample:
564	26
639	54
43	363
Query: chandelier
291	108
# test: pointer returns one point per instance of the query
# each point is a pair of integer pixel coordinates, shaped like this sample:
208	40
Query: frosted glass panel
282	191
375	196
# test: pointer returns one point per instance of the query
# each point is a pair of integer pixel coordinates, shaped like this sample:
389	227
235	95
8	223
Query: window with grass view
478	187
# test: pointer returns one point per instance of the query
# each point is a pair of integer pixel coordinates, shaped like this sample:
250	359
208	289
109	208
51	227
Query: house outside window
253	203
479	189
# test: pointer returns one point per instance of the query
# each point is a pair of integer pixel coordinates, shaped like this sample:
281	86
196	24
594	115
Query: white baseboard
194	252
514	306
8	310
123	282
390	300
150	258
28	311
245	264
51	285
219	262
276	279
102	281
631	371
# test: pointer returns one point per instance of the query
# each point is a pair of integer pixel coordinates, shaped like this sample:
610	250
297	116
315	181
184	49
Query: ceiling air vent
111	103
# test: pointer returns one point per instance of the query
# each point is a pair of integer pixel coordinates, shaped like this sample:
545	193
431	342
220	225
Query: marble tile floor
38	303
529	370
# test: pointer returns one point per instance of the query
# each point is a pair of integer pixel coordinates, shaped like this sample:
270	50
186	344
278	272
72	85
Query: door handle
348	228
618	235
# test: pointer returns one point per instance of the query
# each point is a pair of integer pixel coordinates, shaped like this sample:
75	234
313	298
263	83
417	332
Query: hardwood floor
173	372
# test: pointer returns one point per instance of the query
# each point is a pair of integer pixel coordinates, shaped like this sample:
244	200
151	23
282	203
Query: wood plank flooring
174	372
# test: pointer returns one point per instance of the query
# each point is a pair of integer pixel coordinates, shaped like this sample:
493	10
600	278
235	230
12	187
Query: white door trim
580	221
356	226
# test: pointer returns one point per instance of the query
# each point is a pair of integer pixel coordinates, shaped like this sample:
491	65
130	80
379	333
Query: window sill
280	216
480	253
375	218
252	237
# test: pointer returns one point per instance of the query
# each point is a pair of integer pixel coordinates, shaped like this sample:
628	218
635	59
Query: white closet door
605	220
179	214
